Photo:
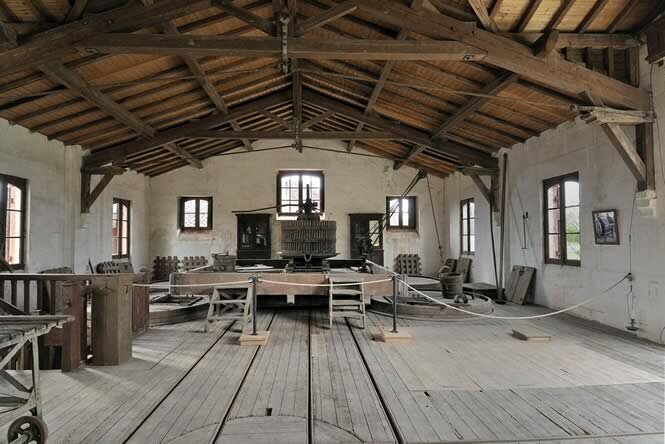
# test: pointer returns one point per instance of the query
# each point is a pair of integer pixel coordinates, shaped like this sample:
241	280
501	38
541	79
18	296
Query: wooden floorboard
455	381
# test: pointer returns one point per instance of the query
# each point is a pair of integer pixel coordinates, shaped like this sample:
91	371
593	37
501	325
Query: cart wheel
31	426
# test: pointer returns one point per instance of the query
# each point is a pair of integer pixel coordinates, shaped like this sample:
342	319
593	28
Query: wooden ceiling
435	84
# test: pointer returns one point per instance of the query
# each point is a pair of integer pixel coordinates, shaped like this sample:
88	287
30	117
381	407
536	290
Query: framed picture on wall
606	227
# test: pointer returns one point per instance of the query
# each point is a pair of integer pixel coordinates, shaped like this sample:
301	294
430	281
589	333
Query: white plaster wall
57	236
353	184
605	183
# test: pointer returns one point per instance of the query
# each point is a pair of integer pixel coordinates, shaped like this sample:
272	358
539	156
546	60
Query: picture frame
606	227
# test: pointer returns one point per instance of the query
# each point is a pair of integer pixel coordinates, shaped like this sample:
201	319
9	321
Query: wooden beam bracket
88	197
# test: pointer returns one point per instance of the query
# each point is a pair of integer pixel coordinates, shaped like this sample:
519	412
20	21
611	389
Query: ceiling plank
298	48
275	118
182	153
581	41
291	135
246	16
318	119
326	16
480	9
552	72
625	12
54	44
7	36
119	153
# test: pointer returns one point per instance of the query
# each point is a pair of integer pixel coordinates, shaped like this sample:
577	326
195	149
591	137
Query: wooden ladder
226	304
347	301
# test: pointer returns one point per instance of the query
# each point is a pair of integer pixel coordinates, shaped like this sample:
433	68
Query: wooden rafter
446	8
483	15
318	119
528	15
119	153
383	76
625	12
296	76
88	196
581	41
326	16
275	118
504	53
76	11
591	16
561	14
246	16
7	36
291	135
104	102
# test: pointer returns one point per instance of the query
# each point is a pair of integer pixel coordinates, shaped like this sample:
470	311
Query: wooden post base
248	339
528	333
387	335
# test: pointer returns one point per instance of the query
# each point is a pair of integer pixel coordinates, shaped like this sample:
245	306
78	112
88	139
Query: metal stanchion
395	292
254	281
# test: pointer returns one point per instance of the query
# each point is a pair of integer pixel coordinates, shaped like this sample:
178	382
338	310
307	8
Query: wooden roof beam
402	132
326	16
580	41
119	153
528	15
298	48
246	16
291	135
54	44
561	14
625	12
76	11
591	16
483	15
444	7
8	38
552	72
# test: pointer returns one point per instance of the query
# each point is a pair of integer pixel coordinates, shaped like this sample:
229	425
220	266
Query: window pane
472	241
190	221
465	228
405	205
203	220
115	211
465	211
472	209
114	228
406	221
124	245
190	206
553	196
573	220
125	229
572	193
285	194
203	206
553	217
14	197
472	222
573	247
554	247
316	195
13	251
125	212
115	247
13	224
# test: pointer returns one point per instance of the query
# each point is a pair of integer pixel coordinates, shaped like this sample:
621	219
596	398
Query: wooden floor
464	381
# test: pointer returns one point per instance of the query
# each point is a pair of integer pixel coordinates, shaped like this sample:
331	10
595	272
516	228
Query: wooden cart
17	401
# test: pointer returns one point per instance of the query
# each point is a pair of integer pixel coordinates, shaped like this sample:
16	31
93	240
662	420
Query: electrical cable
496	271
436	226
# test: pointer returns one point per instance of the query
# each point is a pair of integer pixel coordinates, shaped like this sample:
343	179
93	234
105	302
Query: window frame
197	210
22	185
413	214
301	190
467	202
547	184
128	204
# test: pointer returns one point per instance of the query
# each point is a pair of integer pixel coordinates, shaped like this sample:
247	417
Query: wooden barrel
451	284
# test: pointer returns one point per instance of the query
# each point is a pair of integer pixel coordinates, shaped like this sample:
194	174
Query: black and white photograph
606	227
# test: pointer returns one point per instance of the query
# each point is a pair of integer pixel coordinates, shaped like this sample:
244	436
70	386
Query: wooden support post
645	149
483	188
112	319
71	294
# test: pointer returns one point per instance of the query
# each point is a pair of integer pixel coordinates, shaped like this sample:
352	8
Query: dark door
361	226
254	236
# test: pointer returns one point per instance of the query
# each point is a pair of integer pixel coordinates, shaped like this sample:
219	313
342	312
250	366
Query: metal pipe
395	303
254	280
504	173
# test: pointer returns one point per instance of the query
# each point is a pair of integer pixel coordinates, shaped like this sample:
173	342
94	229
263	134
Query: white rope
347	284
514	318
214	284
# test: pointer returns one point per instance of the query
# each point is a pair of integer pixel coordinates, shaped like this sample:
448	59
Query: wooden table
17	399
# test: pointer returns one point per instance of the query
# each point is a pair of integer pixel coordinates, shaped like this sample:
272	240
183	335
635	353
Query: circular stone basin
417	307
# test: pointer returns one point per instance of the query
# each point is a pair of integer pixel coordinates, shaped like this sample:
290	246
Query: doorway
361	225
254	236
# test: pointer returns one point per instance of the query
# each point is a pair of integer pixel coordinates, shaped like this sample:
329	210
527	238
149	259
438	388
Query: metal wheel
31	427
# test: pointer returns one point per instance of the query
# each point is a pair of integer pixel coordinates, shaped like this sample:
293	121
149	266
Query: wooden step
346	292
337	303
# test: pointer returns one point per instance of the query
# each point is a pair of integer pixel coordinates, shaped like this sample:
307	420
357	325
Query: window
121	228
292	190
401	212
562	220
12	220
195	213
468	226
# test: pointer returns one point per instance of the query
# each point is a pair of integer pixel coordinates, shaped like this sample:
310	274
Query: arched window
12	220
121	228
563	243
195	213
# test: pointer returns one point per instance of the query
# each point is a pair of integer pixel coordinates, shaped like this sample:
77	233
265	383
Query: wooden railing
66	348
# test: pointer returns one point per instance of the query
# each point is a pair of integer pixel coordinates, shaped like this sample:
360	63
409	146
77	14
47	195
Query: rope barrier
214	284
298	284
514	318
347	284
